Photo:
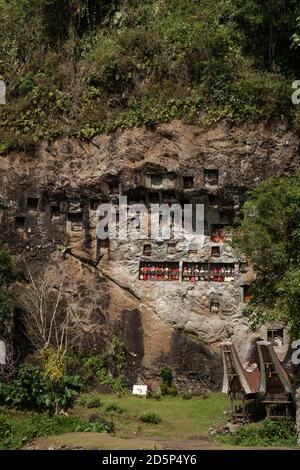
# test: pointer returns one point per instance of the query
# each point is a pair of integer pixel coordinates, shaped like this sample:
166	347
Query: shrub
150	417
91	365
173	391
167	387
31	391
156	394
92	400
5	428
114	407
167	376
14	433
98	423
266	433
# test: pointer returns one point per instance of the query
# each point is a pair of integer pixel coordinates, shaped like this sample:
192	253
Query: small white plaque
140	390
2	353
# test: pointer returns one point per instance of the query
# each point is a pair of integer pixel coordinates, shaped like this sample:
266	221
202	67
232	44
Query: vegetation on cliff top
79	67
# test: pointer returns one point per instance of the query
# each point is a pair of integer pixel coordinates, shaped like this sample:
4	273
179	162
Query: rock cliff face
49	198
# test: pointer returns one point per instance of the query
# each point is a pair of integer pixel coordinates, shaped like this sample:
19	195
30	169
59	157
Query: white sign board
2	353
140	390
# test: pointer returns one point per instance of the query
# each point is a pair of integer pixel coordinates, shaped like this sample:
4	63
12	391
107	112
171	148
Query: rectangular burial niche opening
32	203
243	267
218	234
213	200
226	217
55	209
214	306
20	222
136	196
147	249
275	336
156	179
171	248
169	197
154	198
94	204
188	182
246	293
211	177
114	185
159	271
215	252
76	220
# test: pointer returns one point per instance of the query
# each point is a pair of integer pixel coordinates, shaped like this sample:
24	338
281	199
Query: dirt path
104	441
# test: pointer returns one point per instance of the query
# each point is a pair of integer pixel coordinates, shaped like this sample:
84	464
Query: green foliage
150	417
28	391
5	306
269	236
115	381
8	274
156	394
92	365
167	387
114	408
83	67
14	433
266	433
53	366
167	376
105	369
269	29
31	391
90	400
5	428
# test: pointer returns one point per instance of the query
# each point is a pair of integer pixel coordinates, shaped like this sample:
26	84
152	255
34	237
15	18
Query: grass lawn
183	423
180	418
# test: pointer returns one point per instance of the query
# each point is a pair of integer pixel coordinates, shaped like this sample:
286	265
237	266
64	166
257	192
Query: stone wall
48	199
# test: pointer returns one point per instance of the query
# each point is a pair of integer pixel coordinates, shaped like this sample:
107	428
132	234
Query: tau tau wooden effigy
261	383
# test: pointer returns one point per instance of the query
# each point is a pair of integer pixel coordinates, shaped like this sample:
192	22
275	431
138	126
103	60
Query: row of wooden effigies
263	385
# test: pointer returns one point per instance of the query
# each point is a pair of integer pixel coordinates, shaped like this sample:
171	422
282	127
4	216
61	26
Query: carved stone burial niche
156	179
113	183
94	204
32	203
246	295
275	336
20	222
188	182
76	221
55	209
215	252
147	249
211	177
214	306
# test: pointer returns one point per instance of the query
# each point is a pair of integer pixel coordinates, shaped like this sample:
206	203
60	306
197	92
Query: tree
269	235
268	26
46	322
46	318
8	274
